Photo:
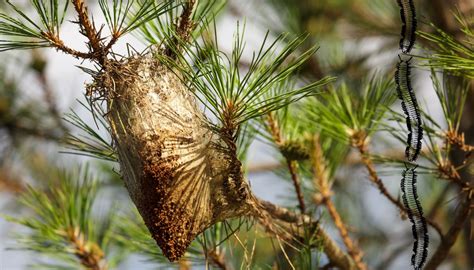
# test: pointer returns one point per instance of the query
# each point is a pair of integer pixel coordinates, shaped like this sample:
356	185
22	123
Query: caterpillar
415	214
410	108
408	16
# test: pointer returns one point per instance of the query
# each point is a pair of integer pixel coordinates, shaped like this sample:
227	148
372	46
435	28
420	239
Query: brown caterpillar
409	24
182	176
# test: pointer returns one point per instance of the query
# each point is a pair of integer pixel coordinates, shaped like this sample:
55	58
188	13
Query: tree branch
450	238
88	29
10	185
57	43
89	254
291	164
359	142
184	27
296	183
336	256
218	259
320	180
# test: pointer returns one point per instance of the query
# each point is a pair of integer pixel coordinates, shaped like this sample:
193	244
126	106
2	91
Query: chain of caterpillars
415	135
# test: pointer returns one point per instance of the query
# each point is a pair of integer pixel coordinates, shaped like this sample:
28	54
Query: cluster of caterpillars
415	134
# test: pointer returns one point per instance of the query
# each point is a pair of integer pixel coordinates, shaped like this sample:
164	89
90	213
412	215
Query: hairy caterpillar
415	214
182	176
410	108
408	33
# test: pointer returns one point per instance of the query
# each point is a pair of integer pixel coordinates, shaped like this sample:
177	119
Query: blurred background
355	38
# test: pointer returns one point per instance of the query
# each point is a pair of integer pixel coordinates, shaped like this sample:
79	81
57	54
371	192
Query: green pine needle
124	16
63	211
161	29
234	95
454	56
91	143
452	94
342	111
23	32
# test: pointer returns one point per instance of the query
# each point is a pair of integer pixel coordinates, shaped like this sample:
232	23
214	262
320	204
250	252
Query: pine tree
170	132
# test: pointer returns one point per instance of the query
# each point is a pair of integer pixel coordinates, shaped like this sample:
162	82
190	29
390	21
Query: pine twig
98	50
448	241
458	139
184	27
88	29
450	172
218	259
353	250
291	164
89	254
360	143
10	185
186	24
447	170
296	183
57	43
336	256
321	181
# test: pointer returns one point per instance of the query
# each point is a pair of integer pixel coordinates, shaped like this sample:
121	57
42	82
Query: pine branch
25	33
10	184
360	143
125	16
457	139
91	143
234	96
89	255
57	43
89	30
451	54
291	164
320	180
218	259
336	256
444	165
183	29
185	26
447	242
62	226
